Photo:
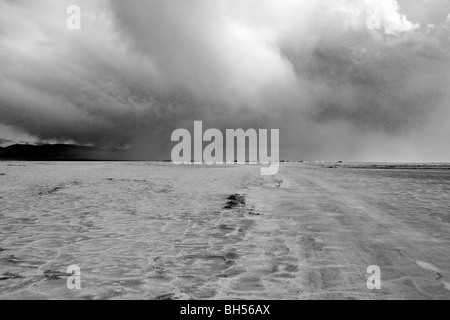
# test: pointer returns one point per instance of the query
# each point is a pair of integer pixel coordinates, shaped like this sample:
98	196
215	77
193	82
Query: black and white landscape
92	90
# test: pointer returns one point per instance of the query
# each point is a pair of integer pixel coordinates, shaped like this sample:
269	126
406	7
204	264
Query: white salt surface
157	231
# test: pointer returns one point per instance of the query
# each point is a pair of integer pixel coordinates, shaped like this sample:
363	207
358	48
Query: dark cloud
392	89
138	70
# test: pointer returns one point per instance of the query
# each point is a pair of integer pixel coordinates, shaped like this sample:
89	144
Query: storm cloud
139	69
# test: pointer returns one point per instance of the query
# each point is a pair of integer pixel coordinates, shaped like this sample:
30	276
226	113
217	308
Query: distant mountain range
62	152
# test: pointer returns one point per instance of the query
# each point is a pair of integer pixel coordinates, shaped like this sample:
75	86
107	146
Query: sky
137	70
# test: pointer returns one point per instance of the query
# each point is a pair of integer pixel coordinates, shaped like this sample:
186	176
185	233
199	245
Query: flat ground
325	226
156	231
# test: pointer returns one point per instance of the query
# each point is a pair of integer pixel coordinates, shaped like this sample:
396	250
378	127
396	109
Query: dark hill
60	152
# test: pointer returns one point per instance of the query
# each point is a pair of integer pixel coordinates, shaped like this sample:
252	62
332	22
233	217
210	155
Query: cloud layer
139	69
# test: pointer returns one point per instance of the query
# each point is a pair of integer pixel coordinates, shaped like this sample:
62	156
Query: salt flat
143	230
